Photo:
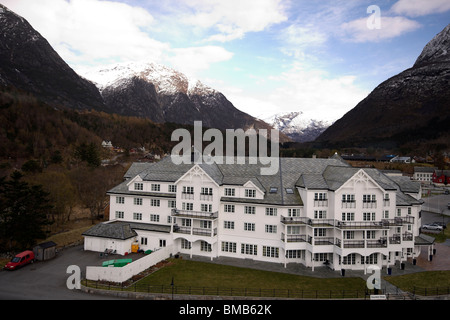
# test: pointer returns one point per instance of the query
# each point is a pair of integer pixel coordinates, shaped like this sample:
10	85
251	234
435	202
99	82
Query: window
370	234
154	202
154	217
206	207
206	191
271	211
320	232
294	212
289	191
229	192
251	249
188	206
162	243
273	190
249	210
322	257
272	252
119	214
349	234
386	214
320	214
185	244
137	201
229	208
205	246
188	190
348	198
137	216
270	228
228	224
156	187
143	241
409	210
369	198
293	230
249	226
139	186
120	200
295	254
320	196
348	216
250	193
368	216
205	224
229	246
349	259
171	204
186	222
172	188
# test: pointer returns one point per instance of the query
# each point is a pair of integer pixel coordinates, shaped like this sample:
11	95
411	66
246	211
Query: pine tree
23	213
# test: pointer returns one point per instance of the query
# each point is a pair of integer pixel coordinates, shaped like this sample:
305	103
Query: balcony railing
321	203
383	224
195	214
369	205
188	196
361	225
353	244
323	241
195	231
380	243
349	204
295	238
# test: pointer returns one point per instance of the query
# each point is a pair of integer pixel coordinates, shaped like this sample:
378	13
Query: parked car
20	260
432	226
443	225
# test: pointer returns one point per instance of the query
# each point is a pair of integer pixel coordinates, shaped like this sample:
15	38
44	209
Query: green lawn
187	273
426	279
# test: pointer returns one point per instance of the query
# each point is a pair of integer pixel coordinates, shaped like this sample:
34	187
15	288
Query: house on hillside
424	174
441	177
313	212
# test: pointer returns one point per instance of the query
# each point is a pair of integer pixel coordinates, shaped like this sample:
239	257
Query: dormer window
156	187
250	193
273	190
139	186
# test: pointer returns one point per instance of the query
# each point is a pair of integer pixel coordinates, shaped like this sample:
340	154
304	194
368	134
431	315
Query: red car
20	260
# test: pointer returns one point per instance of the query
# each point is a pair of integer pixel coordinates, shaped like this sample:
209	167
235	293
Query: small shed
45	251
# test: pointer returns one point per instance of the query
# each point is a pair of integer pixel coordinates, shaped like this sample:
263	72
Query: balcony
323	241
354	244
195	231
369	205
320	202
397	221
380	243
308	221
361	225
295	238
187	196
195	214
349	204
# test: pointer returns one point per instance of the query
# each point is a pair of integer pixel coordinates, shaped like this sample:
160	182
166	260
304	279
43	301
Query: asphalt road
47	280
435	209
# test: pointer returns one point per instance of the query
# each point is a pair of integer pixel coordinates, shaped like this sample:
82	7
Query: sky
266	56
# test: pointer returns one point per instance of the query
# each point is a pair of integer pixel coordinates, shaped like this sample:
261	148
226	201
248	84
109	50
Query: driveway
46	280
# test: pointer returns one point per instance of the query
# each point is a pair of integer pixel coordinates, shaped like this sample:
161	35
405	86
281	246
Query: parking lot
47	279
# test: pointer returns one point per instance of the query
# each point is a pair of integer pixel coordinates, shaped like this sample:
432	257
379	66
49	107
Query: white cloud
416	8
192	60
312	91
390	27
233	18
84	31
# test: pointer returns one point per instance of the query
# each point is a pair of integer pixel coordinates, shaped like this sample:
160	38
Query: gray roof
310	173
122	230
111	230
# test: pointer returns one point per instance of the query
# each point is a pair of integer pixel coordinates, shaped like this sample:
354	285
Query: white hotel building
312	212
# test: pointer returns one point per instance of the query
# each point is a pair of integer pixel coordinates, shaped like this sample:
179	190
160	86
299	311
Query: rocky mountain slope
411	107
162	94
297	127
29	63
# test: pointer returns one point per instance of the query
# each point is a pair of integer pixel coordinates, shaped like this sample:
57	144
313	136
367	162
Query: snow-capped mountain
297	127
162	94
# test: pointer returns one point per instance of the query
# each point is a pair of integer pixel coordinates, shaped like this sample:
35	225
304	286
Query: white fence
121	274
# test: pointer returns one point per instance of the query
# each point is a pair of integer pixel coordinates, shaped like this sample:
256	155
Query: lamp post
172	284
